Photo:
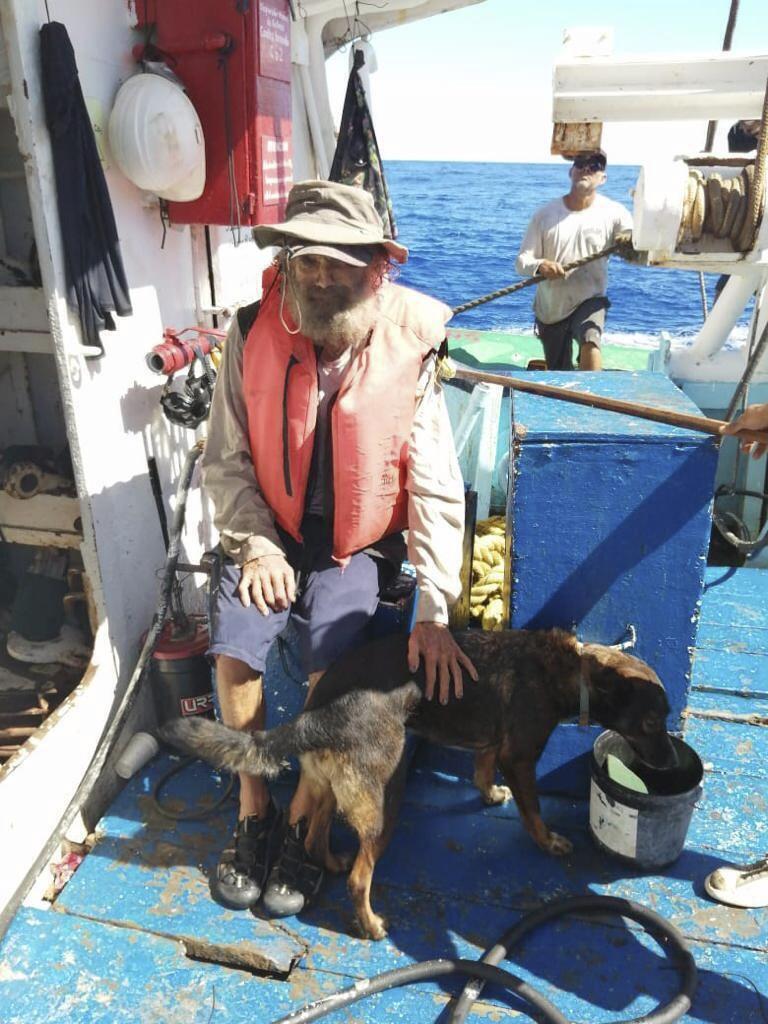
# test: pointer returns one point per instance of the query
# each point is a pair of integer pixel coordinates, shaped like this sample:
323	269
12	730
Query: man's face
332	299
327	285
587	173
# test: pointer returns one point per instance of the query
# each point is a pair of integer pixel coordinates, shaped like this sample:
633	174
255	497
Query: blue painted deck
112	949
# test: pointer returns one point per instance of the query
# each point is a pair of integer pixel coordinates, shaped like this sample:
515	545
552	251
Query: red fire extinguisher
234	60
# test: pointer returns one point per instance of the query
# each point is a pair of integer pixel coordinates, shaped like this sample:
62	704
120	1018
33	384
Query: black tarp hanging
357	160
96	282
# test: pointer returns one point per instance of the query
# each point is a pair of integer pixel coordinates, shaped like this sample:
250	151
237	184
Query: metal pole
727	38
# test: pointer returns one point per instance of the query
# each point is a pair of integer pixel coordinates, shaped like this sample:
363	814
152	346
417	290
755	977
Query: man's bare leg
590	357
241	698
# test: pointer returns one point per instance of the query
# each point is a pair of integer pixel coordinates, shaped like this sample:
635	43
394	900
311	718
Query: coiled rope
727	207
486	602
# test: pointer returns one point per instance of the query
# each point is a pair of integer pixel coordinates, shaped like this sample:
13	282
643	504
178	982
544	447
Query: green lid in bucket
623	775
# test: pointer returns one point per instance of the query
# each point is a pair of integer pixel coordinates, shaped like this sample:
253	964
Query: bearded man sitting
328	437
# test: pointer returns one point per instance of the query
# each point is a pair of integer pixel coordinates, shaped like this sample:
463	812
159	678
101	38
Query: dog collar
583	701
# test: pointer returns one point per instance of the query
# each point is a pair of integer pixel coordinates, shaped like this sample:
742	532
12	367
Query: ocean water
464	222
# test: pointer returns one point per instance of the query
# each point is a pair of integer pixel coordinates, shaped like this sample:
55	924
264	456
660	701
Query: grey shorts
332	609
585	324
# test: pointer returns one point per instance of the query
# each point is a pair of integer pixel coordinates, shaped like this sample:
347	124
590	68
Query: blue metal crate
610	520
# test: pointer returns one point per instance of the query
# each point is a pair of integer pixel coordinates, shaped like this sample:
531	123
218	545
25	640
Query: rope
621	246
758	195
744	544
719	207
730	208
749	370
703	293
486	600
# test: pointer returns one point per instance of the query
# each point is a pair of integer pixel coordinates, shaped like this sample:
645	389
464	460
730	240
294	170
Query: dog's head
626	695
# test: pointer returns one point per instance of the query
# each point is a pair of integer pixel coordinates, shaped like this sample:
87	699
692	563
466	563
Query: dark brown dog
351	735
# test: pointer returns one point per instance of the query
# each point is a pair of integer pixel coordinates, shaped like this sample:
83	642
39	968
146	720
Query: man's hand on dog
269	582
443	659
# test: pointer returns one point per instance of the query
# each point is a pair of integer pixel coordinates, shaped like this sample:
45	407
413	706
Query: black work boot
244	864
295	879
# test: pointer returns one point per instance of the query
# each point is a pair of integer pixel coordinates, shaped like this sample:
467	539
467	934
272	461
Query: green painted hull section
503	348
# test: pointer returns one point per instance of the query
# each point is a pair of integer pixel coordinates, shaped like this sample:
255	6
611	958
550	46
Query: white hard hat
156	138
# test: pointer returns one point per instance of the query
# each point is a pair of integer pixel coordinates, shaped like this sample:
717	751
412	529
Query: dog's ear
608	686
606	675
616	679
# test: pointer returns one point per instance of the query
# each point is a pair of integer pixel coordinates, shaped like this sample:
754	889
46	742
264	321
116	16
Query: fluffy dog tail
259	753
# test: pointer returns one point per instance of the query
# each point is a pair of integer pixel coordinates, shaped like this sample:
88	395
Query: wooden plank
23	309
494	862
43	519
731	818
751	639
645	88
703	424
734	582
159	887
60	970
105	975
150	874
728	704
733	749
17	422
723	671
26	341
574	962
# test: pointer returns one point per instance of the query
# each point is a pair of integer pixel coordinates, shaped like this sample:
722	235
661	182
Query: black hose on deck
485	970
665	934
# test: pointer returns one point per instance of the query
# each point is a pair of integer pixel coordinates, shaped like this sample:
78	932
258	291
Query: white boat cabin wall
103	411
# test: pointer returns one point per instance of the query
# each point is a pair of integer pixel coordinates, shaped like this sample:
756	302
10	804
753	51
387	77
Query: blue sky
475	84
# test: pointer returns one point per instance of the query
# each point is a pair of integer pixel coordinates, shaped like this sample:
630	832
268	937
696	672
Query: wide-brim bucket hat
328	213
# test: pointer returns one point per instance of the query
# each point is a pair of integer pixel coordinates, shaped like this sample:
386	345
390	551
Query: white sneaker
740	886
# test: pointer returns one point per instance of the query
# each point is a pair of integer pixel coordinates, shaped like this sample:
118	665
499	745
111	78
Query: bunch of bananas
486	597
216	355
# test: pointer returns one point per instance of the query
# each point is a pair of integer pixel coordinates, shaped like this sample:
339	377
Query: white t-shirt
562	235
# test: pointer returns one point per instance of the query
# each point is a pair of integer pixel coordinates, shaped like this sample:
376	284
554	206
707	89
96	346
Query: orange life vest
371	417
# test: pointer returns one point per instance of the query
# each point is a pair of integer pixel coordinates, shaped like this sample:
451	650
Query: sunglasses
589	163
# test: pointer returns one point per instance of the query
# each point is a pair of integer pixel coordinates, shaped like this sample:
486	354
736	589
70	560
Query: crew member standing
571	306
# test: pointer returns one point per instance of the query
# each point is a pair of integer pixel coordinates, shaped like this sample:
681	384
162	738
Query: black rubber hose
665	934
425	971
486	970
193	815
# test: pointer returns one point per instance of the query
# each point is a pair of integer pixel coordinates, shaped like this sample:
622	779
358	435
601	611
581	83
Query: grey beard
342	330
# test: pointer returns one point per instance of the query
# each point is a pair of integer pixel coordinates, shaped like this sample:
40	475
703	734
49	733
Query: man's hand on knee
269	582
443	659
